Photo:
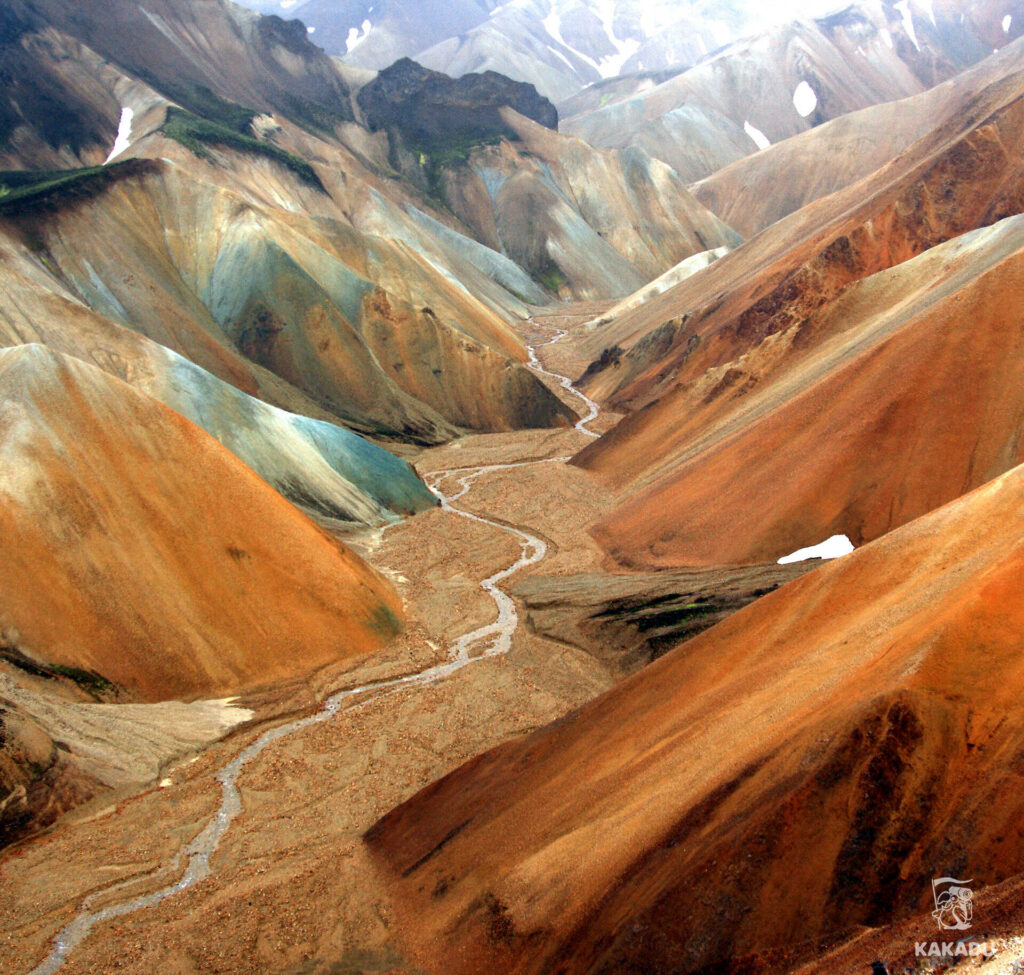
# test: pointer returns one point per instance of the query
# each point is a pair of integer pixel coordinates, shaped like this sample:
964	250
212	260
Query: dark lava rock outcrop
627	620
437	114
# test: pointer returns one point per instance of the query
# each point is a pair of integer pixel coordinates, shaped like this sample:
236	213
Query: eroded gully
492	640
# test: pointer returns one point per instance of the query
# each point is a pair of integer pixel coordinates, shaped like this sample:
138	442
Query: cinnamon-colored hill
755	340
138	548
963	175
800	770
888	402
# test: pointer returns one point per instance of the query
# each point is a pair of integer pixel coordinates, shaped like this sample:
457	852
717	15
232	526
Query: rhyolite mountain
247	285
315	463
767	790
236	242
160	594
674	78
565	46
201	115
805	73
756	191
197	54
145	562
560	46
785	321
795	775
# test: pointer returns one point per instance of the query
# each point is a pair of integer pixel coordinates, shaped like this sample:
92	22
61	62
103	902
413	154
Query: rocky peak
433	112
292	35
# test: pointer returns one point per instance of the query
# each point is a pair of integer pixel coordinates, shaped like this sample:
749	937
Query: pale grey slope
563	46
590	224
783	83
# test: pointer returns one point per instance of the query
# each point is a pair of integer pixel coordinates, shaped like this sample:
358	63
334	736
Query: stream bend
491	640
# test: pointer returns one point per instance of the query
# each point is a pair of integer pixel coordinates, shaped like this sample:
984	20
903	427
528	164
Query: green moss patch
551	278
22	191
384	622
88	680
196	133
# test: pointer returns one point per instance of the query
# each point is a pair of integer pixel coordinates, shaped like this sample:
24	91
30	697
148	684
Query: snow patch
650	23
310	30
553	25
760	139
804	99
673	276
611	67
887	37
908	21
1007	21
833	548
124	134
559	54
928	9
356	36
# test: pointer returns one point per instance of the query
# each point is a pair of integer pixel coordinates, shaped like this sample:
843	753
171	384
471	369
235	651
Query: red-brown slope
880	406
805	767
772	306
964	175
135	546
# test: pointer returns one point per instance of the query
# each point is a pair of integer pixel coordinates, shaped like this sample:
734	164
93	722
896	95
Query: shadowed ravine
491	640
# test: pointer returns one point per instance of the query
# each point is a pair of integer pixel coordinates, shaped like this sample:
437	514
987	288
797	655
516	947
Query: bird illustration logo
954	903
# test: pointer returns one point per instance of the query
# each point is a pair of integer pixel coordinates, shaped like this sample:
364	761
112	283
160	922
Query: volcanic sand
292	889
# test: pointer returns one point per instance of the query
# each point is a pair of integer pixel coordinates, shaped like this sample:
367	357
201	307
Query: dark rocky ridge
31	93
248	68
629	620
436	114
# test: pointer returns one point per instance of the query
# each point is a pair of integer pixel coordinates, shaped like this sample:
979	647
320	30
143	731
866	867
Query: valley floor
292	889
